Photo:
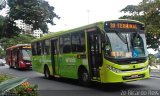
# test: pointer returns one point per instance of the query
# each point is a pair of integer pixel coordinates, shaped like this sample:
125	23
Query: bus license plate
134	76
27	63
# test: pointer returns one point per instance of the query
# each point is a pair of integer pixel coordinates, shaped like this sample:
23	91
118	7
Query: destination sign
123	25
26	47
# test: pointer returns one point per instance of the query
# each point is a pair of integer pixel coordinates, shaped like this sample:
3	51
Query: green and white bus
107	52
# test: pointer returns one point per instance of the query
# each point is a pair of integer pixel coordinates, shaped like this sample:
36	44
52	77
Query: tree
152	59
33	12
2	4
134	13
2	19
2	53
148	11
20	39
132	9
151	10
9	28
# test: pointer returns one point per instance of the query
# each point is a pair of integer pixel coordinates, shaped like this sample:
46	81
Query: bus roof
18	45
54	34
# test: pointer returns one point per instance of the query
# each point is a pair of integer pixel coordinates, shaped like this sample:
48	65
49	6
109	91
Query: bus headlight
113	69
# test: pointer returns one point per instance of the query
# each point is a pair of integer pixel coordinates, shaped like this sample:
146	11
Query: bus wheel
83	77
10	66
46	73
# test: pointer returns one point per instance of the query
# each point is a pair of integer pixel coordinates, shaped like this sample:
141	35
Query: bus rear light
22	64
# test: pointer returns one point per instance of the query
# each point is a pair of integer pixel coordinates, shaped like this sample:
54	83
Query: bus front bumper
109	76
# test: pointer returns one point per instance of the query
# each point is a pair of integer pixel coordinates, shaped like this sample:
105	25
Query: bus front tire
46	73
83	77
10	66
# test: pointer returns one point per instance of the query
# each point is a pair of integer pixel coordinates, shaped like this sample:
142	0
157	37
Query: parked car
2	62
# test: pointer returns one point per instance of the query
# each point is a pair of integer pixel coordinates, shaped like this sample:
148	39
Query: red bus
19	56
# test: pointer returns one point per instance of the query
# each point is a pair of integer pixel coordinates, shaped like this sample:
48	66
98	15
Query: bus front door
54	56
94	54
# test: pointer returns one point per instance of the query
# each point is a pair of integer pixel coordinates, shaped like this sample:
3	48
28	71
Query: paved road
68	87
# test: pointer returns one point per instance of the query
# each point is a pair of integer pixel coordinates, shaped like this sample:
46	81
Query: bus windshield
26	54
126	45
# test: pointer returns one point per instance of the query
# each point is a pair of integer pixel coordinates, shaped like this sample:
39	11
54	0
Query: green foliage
18	86
158	62
131	9
4	77
2	53
9	84
152	59
148	11
8	28
20	39
2	19
25	89
33	12
2	4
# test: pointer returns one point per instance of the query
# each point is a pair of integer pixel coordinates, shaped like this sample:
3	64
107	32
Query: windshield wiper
121	37
127	43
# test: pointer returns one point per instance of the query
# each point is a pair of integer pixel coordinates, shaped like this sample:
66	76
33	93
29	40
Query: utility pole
88	11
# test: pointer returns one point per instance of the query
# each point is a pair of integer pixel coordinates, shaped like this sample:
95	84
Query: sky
75	13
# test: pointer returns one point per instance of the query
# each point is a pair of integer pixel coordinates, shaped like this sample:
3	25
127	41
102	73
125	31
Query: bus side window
47	47
43	47
39	47
34	49
61	44
78	42
65	43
